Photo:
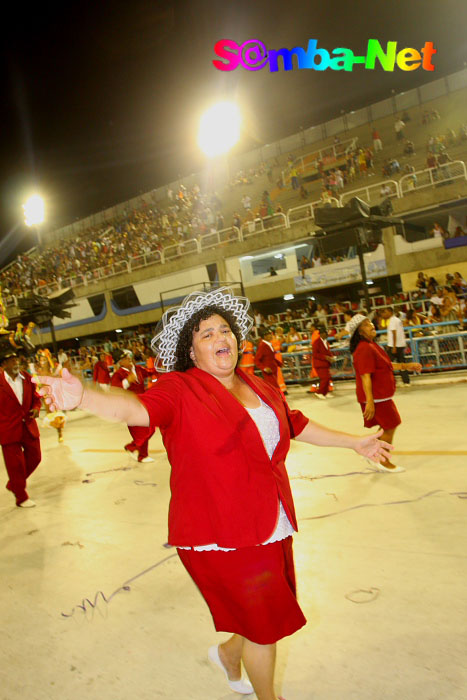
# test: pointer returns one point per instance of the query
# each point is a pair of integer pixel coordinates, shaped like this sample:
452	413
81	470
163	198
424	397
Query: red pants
141	437
21	459
324	380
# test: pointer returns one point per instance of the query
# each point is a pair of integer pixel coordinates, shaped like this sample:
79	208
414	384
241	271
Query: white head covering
355	322
164	343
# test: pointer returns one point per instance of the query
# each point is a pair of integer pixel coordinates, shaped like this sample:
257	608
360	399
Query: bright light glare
34	211
219	129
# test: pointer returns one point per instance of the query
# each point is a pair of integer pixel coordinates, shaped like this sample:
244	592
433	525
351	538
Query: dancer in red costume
265	358
132	377
19	434
231	514
322	358
375	381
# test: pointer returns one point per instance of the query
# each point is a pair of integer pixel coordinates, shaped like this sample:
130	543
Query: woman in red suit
19	434
231	513
374	374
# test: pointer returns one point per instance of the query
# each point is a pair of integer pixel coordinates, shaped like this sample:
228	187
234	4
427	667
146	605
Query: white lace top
268	427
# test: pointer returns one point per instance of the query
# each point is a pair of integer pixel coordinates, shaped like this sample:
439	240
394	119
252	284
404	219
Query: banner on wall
344	272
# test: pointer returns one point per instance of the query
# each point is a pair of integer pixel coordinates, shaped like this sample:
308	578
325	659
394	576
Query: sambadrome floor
381	565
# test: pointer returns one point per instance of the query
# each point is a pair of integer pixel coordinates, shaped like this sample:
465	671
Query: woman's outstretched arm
68	392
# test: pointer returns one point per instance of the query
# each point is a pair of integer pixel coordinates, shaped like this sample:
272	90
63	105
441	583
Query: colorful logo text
253	55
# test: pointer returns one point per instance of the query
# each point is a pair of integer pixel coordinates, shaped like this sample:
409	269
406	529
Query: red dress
370	358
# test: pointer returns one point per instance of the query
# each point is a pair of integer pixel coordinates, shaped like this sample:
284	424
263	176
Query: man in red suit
322	358
265	358
19	434
100	374
132	377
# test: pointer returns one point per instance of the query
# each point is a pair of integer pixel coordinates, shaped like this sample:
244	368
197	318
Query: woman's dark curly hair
355	340
183	360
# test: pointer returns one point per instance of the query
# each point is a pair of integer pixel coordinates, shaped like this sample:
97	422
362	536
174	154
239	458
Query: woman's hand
369	411
64	393
373	448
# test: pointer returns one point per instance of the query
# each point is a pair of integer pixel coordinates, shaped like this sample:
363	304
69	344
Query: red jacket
320	353
137	387
224	486
14	415
370	358
101	374
265	357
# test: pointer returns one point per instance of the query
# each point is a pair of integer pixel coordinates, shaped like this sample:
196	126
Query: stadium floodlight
34	210
219	129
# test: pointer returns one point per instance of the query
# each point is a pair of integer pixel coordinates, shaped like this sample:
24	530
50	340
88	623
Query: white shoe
26	504
243	686
388	470
320	396
146	460
133	455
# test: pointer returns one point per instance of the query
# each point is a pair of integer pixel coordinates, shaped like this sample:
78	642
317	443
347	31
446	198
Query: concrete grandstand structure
234	253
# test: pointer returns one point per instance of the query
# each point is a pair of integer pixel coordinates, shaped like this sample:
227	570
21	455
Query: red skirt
250	591
386	416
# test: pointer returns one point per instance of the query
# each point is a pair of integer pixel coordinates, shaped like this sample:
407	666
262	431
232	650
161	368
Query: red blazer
224	486
265	357
14	415
101	374
320	353
141	374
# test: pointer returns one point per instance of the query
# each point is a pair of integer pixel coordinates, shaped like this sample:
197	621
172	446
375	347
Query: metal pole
359	240
54	339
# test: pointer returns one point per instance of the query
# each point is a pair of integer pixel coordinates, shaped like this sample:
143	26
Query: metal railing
269	223
328	153
306	212
431	177
372	191
436	352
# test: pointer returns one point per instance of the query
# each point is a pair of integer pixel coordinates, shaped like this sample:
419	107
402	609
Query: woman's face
214	347
367	330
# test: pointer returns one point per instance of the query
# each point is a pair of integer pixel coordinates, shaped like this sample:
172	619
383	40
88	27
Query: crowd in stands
189	213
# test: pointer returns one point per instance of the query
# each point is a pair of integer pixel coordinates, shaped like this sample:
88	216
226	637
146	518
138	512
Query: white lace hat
355	322
164	343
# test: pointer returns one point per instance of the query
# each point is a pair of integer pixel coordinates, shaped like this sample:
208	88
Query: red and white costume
101	374
321	352
266	358
140	435
370	358
19	434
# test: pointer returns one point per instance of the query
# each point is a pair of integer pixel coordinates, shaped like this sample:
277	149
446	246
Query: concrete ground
93	606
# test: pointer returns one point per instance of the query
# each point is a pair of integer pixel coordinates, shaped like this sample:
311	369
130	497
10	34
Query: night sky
101	100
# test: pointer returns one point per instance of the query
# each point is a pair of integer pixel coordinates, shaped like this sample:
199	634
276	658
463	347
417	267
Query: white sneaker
146	460
243	686
320	396
26	504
